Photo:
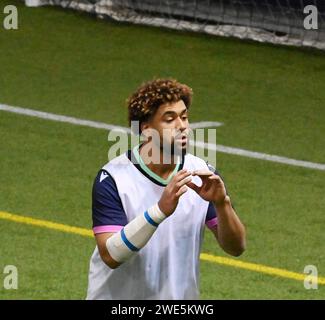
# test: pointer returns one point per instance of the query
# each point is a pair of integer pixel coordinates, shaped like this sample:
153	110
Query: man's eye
169	120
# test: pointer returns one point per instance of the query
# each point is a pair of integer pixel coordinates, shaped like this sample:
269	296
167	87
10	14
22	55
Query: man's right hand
175	188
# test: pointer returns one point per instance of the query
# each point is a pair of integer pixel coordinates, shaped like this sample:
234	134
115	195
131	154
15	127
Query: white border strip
205	124
217	147
60	118
260	156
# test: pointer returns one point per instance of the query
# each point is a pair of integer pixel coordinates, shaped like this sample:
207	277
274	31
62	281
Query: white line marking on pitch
214	147
60	118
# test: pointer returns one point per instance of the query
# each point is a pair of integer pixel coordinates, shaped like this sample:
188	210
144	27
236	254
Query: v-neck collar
135	158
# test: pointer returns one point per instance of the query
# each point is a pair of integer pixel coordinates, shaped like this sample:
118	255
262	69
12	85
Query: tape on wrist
156	214
135	235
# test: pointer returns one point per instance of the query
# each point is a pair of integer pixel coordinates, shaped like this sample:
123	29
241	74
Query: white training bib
168	266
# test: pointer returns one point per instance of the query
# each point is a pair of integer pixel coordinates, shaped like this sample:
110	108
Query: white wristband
156	214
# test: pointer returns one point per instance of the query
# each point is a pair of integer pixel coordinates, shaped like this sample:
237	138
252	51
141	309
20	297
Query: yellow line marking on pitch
259	268
45	224
204	256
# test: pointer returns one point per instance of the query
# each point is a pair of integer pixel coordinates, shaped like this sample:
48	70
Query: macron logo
103	176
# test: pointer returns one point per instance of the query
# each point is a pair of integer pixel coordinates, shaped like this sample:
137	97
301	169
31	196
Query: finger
215	177
202	173
181	191
194	187
181	176
183	182
180	172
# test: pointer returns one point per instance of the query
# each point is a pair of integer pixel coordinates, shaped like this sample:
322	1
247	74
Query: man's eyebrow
167	113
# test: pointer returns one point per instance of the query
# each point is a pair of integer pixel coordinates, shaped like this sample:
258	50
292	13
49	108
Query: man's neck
159	167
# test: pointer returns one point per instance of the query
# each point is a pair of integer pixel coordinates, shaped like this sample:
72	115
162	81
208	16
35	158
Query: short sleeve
211	219
212	215
107	210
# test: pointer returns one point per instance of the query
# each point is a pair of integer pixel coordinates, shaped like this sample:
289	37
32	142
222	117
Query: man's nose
181	125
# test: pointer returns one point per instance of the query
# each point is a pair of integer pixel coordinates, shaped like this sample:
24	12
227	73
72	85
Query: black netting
276	21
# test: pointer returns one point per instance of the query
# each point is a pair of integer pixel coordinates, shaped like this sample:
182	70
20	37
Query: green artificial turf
270	99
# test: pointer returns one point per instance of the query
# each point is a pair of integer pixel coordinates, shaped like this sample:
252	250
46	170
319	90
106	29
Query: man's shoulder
117	162
112	168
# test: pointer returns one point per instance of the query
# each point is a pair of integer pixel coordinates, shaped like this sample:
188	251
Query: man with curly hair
149	216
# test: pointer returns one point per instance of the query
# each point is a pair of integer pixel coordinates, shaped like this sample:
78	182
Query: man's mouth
181	136
181	139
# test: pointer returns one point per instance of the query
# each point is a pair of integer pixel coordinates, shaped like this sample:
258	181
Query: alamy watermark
311	20
311	279
166	146
10	19
10	279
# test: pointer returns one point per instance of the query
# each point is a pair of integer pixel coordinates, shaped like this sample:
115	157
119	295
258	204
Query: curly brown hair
144	103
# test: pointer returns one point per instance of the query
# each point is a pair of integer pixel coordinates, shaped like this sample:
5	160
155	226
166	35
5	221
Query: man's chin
180	147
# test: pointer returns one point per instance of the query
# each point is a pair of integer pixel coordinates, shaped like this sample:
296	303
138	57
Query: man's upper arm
212	214
211	219
108	214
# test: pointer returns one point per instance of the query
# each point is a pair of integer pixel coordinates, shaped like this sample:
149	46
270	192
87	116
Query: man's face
171	122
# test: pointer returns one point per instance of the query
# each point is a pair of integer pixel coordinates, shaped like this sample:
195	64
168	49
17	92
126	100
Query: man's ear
144	127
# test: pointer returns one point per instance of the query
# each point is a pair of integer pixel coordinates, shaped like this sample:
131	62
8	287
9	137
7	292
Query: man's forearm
231	232
134	236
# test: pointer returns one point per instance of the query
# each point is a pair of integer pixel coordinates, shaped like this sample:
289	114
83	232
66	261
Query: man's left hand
212	188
